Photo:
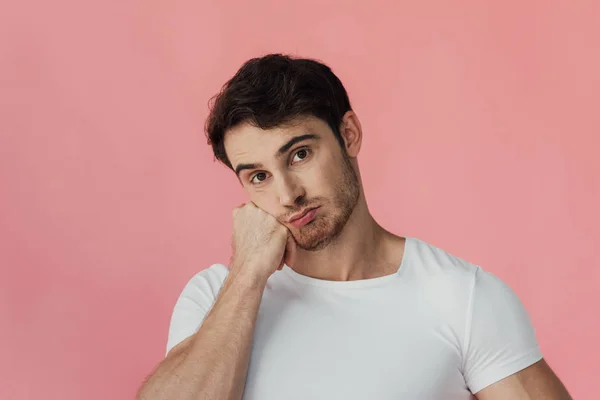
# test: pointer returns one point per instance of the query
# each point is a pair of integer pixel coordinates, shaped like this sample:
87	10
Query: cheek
321	174
264	200
321	186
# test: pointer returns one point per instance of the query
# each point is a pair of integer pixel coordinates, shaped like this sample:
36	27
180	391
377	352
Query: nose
290	191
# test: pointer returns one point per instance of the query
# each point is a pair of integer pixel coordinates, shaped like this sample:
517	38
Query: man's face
293	168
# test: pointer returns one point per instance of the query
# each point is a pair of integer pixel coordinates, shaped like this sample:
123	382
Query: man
320	301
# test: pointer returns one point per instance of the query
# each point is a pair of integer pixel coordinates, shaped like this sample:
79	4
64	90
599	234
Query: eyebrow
282	150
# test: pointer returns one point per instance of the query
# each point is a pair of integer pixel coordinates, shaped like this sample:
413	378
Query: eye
258	178
301	155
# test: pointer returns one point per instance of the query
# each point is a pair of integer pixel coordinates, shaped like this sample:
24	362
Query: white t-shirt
439	328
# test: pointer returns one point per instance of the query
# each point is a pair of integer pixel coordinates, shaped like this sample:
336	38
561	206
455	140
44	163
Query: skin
343	242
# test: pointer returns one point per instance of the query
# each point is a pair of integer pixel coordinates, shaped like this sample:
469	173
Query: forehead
248	143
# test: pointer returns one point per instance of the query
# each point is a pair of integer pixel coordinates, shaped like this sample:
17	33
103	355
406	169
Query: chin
313	245
314	236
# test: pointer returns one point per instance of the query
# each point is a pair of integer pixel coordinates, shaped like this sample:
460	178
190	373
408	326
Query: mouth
303	217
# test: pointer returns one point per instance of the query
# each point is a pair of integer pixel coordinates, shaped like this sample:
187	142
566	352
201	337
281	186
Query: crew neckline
359	283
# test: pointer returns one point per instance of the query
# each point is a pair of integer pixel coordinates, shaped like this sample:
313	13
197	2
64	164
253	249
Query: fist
261	244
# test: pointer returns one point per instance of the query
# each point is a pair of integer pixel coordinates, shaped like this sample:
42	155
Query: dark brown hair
272	90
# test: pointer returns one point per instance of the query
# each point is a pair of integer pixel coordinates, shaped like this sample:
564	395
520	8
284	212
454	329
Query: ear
351	133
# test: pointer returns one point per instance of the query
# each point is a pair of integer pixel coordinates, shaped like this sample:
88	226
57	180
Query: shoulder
207	282
496	335
434	265
194	303
442	282
215	274
444	272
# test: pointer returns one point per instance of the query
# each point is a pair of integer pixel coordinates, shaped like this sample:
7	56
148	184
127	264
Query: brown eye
261	176
301	155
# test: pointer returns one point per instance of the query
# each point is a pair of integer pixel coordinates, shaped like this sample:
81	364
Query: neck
363	250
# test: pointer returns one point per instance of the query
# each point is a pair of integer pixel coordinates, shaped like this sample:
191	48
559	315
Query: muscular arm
212	363
537	382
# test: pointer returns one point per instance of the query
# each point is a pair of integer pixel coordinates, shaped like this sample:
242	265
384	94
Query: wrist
247	276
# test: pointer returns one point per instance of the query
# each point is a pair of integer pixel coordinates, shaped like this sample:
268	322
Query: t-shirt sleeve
500	339
194	303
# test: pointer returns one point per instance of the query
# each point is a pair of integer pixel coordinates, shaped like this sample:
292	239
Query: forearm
214	363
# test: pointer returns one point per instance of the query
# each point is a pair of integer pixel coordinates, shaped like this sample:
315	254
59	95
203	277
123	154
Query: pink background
481	126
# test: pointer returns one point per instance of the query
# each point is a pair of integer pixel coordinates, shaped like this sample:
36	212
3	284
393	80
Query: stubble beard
324	229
